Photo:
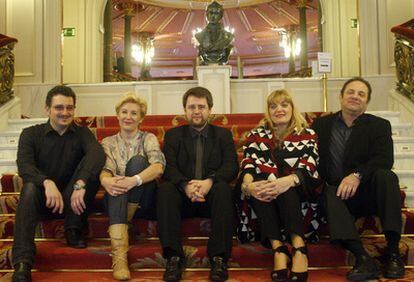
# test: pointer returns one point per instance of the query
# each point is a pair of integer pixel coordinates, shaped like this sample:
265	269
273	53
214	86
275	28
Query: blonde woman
278	172
133	162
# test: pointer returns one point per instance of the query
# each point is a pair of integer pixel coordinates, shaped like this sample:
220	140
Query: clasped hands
268	190
196	190
118	185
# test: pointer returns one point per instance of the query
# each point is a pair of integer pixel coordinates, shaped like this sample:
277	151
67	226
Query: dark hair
60	90
357	78
199	92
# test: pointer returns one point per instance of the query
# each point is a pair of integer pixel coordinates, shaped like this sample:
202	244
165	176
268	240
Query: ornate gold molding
6	68
404	60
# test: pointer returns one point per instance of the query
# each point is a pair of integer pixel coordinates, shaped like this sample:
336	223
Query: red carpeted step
193	227
189	276
98	226
238	130
325	275
174	120
147	254
168	120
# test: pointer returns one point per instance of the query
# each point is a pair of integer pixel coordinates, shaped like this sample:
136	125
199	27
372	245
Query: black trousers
117	206
172	205
32	209
380	197
282	213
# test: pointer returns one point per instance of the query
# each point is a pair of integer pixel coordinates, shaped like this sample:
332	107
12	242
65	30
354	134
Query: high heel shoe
299	276
280	275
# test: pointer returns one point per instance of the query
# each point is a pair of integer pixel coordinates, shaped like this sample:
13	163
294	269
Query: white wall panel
168	102
73	53
52	22
94	14
3	16
307	99
369	37
99	100
144	92
165	97
29	49
248	96
248	100
391	13
36	25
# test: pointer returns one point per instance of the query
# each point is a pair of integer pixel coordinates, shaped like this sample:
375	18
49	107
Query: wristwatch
77	186
357	175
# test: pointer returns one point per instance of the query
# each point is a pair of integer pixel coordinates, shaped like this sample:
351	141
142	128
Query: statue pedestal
216	78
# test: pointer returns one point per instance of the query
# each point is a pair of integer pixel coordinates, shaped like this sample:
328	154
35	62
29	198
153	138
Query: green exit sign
69	31
354	23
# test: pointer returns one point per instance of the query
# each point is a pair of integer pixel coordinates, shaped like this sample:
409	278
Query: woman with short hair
133	162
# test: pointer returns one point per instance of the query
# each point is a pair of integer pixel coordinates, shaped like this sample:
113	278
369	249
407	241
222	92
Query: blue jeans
117	206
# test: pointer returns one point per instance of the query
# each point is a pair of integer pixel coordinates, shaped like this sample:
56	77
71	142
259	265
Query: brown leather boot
119	244
132	208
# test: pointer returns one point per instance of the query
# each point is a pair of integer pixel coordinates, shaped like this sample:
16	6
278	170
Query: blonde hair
130	97
297	121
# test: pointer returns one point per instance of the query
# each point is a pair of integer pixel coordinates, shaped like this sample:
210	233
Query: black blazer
219	161
369	147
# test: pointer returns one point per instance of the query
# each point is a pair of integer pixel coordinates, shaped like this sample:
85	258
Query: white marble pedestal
216	79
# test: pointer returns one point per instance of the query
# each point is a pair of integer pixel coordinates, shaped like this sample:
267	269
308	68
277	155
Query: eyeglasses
195	107
61	108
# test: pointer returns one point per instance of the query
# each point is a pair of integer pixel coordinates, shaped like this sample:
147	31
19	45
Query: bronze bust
214	41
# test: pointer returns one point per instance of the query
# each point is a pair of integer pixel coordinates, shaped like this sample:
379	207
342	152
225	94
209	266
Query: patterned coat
298	154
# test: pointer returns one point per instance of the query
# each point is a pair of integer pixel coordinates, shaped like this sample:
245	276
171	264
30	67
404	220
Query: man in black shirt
60	163
356	157
201	161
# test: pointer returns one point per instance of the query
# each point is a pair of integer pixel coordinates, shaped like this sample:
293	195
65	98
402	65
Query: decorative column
303	33
239	68
107	59
129	12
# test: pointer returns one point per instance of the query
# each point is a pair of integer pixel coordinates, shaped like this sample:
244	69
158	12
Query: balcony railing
404	57
6	68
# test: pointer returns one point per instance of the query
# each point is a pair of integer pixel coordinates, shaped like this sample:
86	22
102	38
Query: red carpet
331	275
147	254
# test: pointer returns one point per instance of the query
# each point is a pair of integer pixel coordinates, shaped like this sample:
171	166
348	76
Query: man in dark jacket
60	163
201	161
356	157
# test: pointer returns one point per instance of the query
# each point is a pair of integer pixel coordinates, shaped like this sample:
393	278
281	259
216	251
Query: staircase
250	262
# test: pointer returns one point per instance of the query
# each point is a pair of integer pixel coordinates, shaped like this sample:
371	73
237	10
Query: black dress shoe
74	238
174	269
218	270
22	272
365	268
394	267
